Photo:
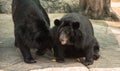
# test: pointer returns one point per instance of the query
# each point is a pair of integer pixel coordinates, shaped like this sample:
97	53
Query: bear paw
29	61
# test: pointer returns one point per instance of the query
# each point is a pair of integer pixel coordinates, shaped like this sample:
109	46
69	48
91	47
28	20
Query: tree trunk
96	9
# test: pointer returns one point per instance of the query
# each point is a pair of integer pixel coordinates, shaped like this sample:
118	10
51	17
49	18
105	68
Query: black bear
31	28
74	37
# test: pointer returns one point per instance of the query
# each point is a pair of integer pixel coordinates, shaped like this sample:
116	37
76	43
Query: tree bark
96	9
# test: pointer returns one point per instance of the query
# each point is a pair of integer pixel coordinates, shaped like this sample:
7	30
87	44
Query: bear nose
63	42
63	39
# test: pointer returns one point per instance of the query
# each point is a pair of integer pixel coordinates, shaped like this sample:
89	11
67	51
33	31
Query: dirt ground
11	58
106	32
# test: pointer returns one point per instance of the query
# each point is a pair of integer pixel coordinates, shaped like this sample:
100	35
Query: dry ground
107	33
11	59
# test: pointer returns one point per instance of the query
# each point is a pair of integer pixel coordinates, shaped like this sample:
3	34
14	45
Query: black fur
31	27
81	40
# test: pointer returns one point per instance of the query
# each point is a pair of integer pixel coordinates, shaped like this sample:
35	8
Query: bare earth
107	33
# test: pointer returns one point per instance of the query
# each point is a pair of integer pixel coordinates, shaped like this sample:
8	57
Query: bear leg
27	55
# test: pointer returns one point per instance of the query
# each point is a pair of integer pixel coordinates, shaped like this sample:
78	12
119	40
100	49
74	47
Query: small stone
53	60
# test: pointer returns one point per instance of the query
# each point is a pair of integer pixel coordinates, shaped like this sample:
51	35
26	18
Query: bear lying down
74	37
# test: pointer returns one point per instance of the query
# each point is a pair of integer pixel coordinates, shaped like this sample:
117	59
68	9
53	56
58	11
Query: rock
60	6
63	69
5	6
51	6
104	69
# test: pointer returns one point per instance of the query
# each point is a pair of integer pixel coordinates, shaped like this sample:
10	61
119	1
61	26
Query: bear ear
76	25
57	22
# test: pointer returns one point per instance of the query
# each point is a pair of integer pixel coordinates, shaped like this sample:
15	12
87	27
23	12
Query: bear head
67	31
